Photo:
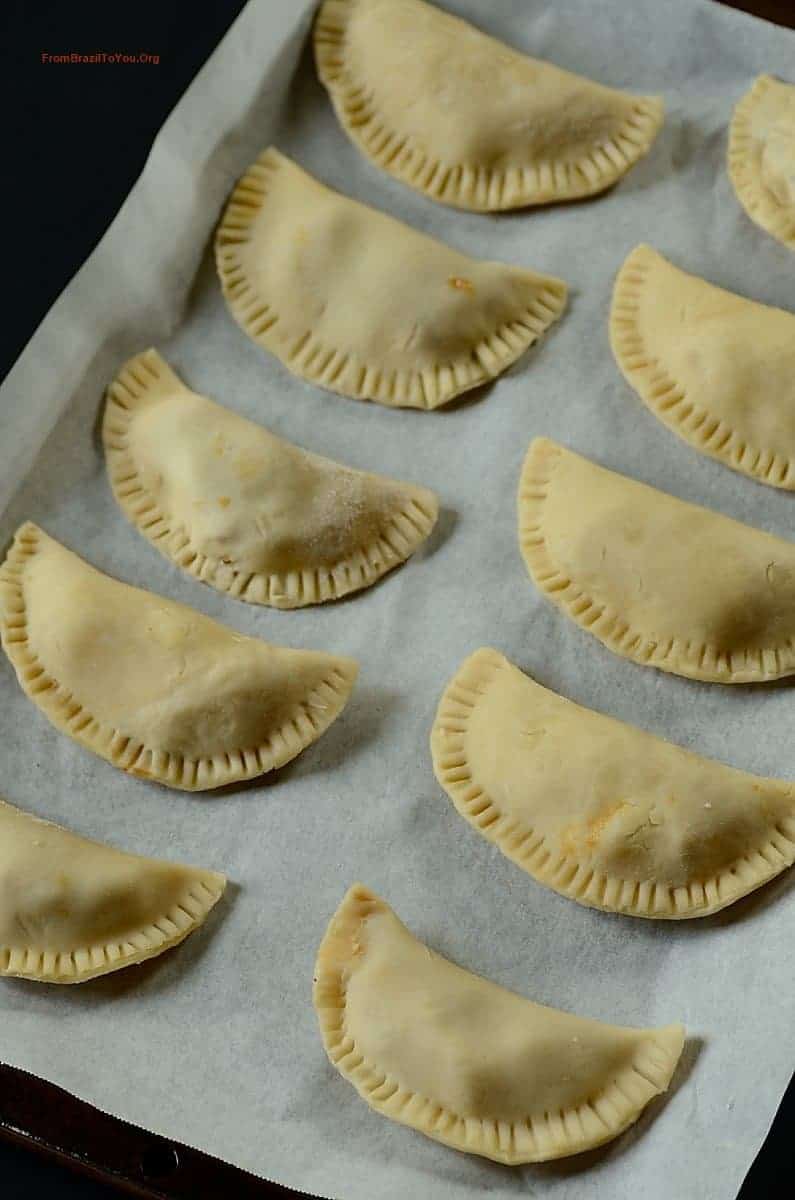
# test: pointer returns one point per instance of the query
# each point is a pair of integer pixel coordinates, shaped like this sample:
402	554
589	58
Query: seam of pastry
89	962
667	398
608	626
614	1109
460	184
395	543
759	204
564	874
174	770
324	365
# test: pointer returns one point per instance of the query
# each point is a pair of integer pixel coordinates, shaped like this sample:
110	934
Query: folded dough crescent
762	156
717	369
663	582
154	687
243	510
359	303
600	811
466	119
72	909
466	1061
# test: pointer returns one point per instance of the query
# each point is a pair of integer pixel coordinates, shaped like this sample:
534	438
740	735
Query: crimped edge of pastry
702	662
600	1119
762	207
459	184
396	542
333	367
89	962
173	770
563	874
667	398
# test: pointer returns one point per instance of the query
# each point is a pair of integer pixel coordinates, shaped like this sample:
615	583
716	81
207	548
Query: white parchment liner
216	1043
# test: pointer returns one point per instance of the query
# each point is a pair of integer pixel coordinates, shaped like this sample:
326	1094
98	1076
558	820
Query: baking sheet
216	1043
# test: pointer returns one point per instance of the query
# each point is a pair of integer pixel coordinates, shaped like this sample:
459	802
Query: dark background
76	139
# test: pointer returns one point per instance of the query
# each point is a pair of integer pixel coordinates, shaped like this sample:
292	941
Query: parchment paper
216	1043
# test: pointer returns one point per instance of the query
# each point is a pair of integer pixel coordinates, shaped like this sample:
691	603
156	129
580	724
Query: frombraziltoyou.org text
101	56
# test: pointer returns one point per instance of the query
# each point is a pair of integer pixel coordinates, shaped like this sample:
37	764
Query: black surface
40	1115
76	138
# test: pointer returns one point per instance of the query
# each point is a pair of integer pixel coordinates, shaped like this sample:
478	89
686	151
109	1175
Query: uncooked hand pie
716	368
468	120
72	909
357	302
762	156
600	811
468	1062
154	687
243	510
660	581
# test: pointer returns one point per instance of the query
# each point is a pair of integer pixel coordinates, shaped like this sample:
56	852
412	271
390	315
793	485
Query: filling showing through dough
600	811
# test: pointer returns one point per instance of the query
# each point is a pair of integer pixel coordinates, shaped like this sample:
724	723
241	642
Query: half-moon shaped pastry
762	156
716	368
466	1061
468	120
600	811
665	583
362	304
243	510
72	909
151	685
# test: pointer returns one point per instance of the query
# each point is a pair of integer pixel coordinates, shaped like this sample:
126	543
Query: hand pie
361	304
243	510
151	685
467	1062
466	119
600	811
72	909
716	368
762	156
660	581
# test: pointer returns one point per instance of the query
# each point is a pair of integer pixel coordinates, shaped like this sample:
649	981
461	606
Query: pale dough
660	581
360	303
762	156
601	811
72	909
243	510
716	368
153	686
466	119
468	1062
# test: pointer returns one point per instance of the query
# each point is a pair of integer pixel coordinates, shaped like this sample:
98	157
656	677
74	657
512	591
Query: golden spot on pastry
600	811
359	308
596	823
